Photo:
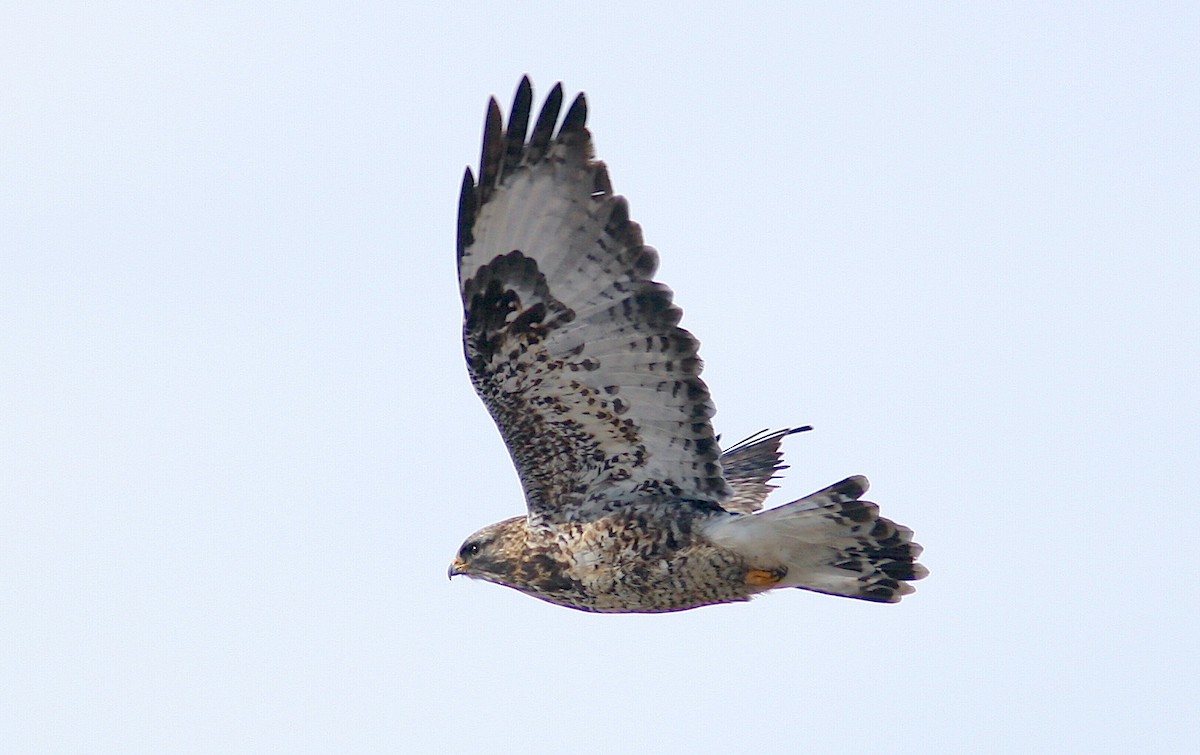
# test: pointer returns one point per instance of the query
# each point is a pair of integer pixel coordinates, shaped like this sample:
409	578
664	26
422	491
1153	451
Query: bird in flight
578	355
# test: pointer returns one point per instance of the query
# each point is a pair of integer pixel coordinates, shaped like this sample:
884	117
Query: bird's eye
470	549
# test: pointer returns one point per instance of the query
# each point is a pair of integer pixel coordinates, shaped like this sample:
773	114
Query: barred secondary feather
578	355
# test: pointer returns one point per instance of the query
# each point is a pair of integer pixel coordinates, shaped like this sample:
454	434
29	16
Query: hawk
578	355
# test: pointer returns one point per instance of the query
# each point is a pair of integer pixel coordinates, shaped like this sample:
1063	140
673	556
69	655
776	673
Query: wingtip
518	126
576	117
859	482
493	119
543	129
467	206
493	148
522	100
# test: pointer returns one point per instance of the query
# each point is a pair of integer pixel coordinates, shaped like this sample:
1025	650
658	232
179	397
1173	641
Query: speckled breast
642	558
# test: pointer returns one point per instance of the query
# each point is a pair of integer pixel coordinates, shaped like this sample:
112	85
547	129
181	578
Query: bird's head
492	553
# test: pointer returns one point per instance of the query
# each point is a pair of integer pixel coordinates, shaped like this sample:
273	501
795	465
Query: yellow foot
764	577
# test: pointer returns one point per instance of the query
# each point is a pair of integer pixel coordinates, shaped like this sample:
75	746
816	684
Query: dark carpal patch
509	314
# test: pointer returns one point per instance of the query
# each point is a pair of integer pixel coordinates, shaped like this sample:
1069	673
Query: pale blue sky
239	447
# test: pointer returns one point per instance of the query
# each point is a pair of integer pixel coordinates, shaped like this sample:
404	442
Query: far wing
573	348
751	465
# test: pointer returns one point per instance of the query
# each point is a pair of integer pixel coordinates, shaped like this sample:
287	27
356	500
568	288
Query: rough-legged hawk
578	355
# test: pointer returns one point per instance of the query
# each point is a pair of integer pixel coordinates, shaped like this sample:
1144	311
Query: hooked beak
456	567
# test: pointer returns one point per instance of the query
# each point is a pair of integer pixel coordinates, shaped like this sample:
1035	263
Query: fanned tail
829	542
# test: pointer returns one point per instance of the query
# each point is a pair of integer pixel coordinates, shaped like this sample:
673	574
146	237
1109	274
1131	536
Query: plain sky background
238	446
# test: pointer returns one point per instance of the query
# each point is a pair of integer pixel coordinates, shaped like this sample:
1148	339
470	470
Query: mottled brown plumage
596	390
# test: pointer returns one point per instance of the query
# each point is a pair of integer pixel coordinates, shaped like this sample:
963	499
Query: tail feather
830	542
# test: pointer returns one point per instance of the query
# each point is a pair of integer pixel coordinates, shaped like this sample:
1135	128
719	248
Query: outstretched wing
574	349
